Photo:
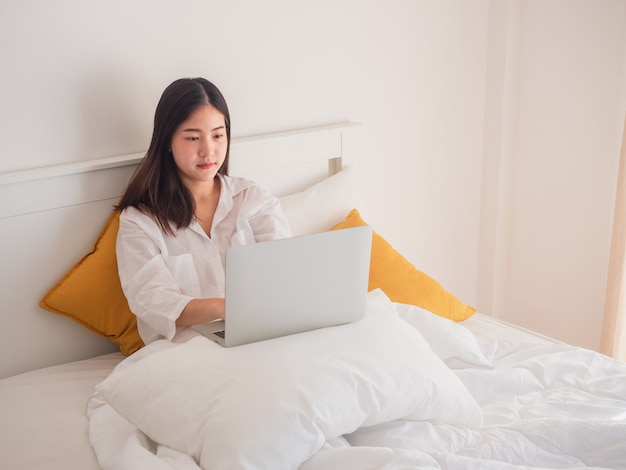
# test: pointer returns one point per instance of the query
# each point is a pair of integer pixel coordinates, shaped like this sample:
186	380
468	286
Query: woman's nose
207	147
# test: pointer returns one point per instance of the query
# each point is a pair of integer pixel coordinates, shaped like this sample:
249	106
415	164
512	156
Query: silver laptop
293	285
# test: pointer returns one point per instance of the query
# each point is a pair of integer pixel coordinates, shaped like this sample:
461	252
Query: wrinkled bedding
400	389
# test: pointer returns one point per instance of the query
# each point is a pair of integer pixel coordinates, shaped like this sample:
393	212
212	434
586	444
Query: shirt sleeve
267	221
153	294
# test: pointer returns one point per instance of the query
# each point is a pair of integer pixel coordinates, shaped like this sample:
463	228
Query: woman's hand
201	311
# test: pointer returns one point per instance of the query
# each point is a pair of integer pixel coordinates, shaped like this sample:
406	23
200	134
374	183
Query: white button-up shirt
161	273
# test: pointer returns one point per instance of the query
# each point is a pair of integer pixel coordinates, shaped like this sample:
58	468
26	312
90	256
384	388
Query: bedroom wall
425	77
80	80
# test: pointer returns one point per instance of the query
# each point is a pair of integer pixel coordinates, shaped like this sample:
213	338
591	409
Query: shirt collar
229	188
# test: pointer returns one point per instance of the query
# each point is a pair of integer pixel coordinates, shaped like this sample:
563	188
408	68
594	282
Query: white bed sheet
545	405
42	415
534	416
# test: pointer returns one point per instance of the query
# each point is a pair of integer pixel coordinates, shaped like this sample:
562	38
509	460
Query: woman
181	211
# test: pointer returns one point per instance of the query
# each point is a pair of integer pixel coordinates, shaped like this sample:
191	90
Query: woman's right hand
202	311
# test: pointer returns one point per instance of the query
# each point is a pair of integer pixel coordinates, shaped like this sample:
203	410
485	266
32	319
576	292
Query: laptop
293	285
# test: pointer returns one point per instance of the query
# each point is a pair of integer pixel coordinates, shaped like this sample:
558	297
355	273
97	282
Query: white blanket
376	394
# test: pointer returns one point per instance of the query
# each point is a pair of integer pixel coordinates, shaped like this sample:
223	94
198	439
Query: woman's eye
218	136
192	138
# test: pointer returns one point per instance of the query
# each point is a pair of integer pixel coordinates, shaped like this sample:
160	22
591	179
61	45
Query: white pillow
273	404
452	342
323	205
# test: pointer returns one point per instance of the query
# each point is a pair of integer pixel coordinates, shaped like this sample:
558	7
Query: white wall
421	92
80	80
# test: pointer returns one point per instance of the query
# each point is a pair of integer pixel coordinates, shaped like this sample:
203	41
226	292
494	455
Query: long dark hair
156	187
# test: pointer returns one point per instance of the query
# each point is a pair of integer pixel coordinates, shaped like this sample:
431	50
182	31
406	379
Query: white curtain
613	342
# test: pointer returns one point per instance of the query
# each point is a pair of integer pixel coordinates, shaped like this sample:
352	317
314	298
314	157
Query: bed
423	381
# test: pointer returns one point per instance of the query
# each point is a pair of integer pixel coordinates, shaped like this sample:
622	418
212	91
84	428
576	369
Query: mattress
43	422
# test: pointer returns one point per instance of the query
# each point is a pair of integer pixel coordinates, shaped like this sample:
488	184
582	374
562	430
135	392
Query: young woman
181	211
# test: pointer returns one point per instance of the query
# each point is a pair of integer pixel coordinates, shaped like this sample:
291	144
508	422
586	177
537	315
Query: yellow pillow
402	282
91	294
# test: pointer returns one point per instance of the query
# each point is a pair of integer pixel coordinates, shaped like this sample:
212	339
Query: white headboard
50	218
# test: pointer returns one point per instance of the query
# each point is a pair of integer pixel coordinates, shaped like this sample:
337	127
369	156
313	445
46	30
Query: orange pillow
91	294
402	282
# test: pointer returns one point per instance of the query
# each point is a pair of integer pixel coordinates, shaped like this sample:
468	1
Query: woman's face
199	145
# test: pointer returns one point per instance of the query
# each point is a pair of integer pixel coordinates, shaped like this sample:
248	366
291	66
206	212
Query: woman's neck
206	197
